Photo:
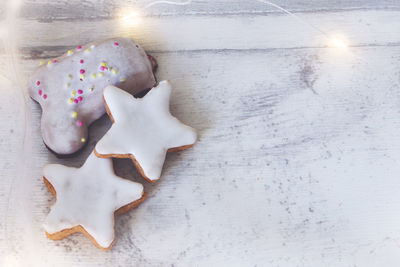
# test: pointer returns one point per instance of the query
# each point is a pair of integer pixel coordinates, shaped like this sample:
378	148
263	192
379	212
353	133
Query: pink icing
66	81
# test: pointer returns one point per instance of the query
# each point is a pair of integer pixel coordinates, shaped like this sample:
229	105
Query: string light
131	18
338	43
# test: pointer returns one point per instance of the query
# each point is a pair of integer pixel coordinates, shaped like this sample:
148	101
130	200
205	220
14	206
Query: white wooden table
298	161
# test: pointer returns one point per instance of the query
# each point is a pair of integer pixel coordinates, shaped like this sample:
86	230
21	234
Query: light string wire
167	3
188	2
151	4
294	16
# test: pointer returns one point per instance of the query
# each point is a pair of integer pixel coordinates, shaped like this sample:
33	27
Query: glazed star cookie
87	200
69	88
143	129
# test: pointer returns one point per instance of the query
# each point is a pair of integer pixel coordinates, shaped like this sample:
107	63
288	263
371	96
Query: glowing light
10	261
131	18
338	43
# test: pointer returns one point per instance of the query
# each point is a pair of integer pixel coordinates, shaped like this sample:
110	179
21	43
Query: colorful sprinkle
91	88
69	52
122	79
70	76
83	140
73	93
102	68
70	100
49	62
41	62
67	84
76	101
79	47
115	71
88	50
81	61
54	61
116	44
38	83
92	46
74	114
104	64
80	98
40	92
100	74
82	76
80	123
82	71
93	75
80	91
44	96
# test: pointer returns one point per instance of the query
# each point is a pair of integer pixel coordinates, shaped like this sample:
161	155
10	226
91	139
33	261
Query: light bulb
131	18
338	43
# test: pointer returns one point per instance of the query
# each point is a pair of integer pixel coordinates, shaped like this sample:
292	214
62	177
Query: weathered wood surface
95	10
298	158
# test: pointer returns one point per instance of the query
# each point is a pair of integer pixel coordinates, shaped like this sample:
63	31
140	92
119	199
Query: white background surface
297	162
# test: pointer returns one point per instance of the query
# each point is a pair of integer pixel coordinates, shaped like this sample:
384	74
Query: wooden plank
358	28
92	9
298	149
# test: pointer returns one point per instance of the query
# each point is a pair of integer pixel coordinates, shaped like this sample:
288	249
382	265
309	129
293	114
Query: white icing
144	128
127	66
88	196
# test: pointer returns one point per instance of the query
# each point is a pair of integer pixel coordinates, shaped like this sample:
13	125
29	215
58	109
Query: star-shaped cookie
143	129
88	199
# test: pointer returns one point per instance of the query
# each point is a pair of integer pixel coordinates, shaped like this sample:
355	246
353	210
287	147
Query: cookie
69	89
143	129
88	198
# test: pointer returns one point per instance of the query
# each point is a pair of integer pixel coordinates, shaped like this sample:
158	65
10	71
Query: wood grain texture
297	162
72	10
